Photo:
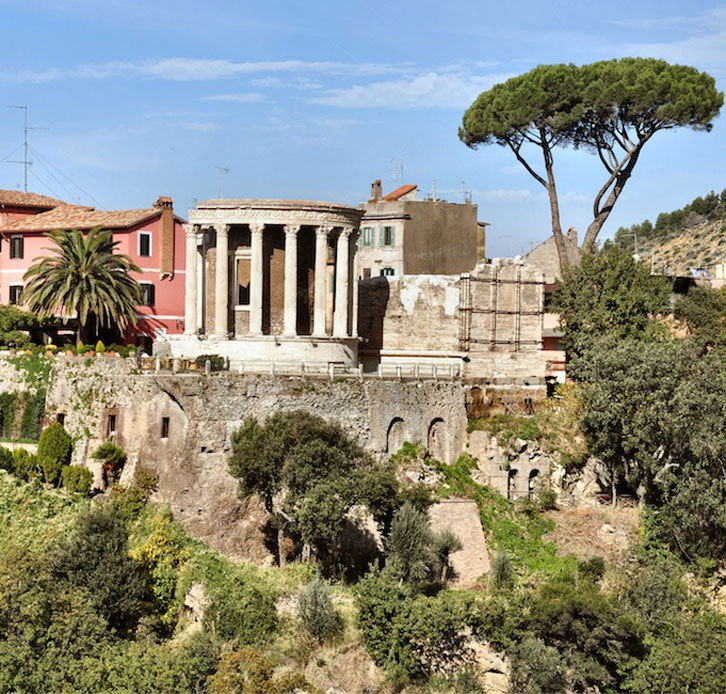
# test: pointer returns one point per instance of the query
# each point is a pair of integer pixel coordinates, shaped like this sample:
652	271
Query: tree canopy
608	294
610	108
310	473
86	278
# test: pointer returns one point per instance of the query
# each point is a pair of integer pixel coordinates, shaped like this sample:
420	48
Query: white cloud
431	90
239	98
704	42
191	69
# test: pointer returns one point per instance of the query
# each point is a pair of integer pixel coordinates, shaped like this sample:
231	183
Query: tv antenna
396	169
467	193
223	171
25	162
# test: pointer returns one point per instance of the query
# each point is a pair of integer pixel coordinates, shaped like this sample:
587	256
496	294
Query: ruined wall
203	412
411	312
487	322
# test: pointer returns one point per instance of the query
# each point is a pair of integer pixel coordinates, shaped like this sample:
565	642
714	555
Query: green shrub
592	569
7	460
51	468
76	479
26	465
55	445
162	553
546	499
131	500
410	637
100	347
502	571
316	611
96	557
537	669
241	614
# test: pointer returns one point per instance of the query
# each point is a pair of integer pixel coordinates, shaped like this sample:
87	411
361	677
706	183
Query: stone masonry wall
204	411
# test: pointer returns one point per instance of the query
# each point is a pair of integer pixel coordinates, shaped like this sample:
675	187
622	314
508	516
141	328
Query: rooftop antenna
396	170
467	193
25	162
223	170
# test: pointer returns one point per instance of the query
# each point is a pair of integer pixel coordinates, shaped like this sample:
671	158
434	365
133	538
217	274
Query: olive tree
610	108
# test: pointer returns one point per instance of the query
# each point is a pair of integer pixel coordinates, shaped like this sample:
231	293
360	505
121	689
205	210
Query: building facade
271	280
401	235
152	237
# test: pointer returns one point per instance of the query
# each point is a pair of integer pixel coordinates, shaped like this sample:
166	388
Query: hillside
691	237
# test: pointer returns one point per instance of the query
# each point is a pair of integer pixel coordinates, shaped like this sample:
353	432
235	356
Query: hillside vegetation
691	237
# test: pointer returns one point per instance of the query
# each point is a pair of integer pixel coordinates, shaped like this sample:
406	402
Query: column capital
345	232
257	228
291	229
191	229
221	229
324	230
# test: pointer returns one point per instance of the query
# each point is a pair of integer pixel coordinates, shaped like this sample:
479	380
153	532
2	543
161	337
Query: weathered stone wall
488	322
203	412
411	312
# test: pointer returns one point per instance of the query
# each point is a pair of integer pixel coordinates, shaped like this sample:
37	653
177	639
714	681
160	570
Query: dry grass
579	531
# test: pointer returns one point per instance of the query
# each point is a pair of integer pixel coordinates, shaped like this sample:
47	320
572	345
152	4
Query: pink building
152	237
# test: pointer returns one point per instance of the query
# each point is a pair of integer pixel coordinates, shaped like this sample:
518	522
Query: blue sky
317	99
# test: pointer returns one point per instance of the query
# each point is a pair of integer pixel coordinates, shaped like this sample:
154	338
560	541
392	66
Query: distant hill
693	236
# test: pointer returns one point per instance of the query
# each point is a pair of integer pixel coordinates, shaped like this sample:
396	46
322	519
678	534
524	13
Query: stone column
321	275
221	282
290	324
354	311
256	231
190	304
342	267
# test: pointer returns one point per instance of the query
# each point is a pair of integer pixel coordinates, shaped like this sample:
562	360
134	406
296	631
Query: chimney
376	191
166	259
572	237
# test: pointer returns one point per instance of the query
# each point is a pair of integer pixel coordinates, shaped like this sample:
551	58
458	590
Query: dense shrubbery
411	636
316	611
310	473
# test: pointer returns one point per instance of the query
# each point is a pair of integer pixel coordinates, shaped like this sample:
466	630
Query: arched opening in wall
436	441
532	483
511	484
396	435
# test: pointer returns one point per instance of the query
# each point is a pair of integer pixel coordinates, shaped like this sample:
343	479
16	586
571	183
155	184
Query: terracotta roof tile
399	192
77	217
18	198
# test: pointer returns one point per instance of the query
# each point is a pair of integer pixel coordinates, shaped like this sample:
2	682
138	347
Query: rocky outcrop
461	517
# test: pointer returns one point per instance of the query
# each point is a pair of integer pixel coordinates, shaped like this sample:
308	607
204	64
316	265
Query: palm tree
84	278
